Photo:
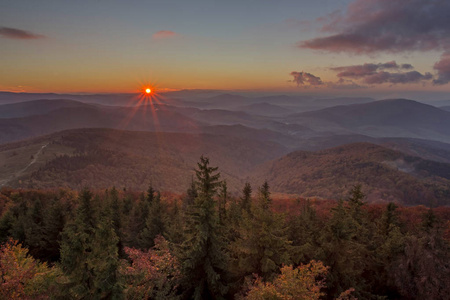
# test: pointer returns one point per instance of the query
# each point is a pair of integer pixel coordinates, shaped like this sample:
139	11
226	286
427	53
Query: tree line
208	245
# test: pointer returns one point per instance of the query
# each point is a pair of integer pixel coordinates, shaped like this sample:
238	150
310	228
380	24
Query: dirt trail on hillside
19	173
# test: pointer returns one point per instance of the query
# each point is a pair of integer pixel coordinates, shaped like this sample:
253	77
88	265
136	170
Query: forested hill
384	173
101	158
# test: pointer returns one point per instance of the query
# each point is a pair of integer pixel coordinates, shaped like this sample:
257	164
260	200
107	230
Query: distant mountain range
386	118
68	116
53	141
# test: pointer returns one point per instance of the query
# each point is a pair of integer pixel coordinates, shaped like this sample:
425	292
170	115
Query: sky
354	47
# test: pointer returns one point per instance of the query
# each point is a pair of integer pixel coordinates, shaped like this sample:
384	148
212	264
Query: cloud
360	76
370	73
344	84
14	33
407	66
366	69
443	69
394	26
303	78
164	34
397	78
307	79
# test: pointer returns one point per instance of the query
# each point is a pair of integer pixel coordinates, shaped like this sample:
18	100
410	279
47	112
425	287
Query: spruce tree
154	224
262	245
76	246
105	261
136	222
53	226
246	199
348	247
191	194
264	196
34	230
423	269
89	254
174	227
116	217
304	232
223	199
202	254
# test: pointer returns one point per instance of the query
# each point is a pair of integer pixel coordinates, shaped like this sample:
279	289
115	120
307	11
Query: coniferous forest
205	244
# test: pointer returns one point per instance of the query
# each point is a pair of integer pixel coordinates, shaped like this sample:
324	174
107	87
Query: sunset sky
354	47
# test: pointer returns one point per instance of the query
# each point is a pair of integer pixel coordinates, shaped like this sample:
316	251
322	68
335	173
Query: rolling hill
385	118
264	109
102	158
143	118
37	107
385	174
446	108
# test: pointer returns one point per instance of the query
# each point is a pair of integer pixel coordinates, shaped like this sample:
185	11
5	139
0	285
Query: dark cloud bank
388	26
14	33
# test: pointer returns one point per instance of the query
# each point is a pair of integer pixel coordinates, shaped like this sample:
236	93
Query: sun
148	91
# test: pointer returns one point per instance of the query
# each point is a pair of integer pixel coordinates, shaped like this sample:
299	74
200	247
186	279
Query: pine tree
34	227
150	194
264	196
137	219
223	199
191	194
304	232
347	243
203	258
105	261
174	227
154	225
246	199
89	254
53	227
6	225
19	212
262	245
423	269
389	244
76	247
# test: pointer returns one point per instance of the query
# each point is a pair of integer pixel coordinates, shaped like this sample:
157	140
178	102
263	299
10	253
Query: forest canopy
207	244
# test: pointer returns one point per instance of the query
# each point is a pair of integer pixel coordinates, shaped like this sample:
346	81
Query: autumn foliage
208	244
22	277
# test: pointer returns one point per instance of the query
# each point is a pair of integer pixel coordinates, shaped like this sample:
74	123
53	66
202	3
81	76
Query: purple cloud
370	26
407	66
14	33
304	78
164	34
370	73
308	79
397	78
443	68
357	71
344	84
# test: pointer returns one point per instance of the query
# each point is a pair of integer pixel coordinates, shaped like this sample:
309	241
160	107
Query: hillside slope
144	118
385	118
102	158
385	174
37	107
